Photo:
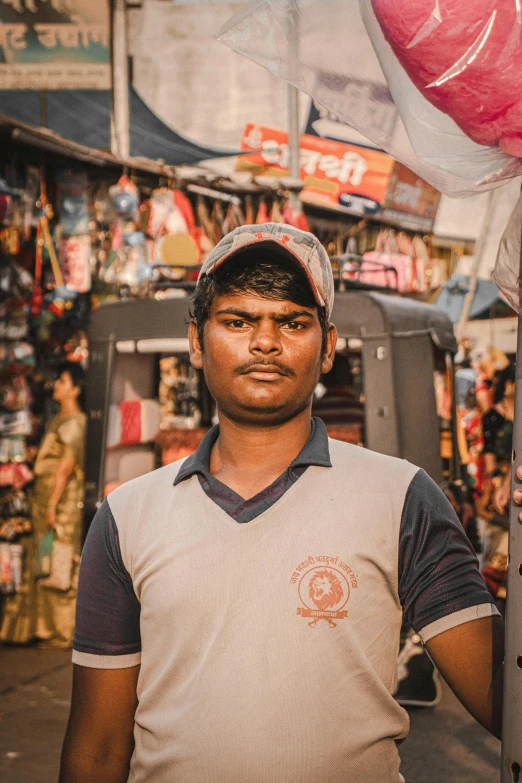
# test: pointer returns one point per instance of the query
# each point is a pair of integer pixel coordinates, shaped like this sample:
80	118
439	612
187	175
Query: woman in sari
56	503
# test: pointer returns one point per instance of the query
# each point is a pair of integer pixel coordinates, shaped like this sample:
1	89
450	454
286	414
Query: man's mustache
283	368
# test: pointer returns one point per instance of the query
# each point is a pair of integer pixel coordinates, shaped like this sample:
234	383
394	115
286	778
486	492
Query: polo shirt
239	679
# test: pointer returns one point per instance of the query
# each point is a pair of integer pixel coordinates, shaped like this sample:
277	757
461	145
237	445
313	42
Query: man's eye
237	324
294	325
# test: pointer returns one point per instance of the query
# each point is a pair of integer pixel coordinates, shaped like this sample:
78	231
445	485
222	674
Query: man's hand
99	741
517	494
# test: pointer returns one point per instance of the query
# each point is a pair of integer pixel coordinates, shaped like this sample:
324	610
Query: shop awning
83	116
451	298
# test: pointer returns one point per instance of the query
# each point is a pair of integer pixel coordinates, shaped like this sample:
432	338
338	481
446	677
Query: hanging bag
61	562
374	265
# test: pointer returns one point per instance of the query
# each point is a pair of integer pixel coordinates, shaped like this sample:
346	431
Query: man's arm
99	740
470	658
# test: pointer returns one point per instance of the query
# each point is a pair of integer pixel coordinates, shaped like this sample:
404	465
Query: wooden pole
120	119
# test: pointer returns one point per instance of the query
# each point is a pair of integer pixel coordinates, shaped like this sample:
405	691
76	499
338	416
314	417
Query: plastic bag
507	269
336	52
466	59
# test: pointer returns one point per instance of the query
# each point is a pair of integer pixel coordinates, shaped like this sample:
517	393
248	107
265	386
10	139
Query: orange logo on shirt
324	589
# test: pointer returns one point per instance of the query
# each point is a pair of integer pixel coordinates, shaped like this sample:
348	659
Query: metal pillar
512	710
120	119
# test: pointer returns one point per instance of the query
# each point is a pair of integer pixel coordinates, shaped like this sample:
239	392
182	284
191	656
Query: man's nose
266	338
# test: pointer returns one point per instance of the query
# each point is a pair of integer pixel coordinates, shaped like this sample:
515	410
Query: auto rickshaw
381	393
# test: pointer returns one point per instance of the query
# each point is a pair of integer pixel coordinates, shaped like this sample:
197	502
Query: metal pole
120	120
294	138
478	256
512	709
294	167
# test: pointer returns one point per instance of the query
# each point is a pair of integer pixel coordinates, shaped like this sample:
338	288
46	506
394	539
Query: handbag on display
422	264
374	269
60	563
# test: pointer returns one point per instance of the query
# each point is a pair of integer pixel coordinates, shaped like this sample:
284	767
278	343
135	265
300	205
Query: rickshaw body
400	344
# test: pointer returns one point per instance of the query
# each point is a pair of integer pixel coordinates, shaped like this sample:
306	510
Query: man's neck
249	458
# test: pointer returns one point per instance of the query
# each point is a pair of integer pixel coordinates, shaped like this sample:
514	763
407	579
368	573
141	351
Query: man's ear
195	349
329	354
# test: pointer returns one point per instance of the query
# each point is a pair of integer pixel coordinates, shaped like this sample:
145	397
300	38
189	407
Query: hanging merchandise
60	564
205	222
175	253
405	247
5	206
294	216
44	240
75	253
386	266
422	264
31	195
17	358
234	218
276	214
179	394
125	199
262	212
164	215
73	211
249	211
218	219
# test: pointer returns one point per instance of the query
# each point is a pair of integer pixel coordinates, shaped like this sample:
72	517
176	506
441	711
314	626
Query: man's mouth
265	372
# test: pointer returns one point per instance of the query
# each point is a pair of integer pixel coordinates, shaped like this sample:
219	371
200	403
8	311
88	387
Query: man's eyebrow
293	315
251	317
240	313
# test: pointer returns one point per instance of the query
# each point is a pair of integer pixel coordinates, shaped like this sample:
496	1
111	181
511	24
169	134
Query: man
239	611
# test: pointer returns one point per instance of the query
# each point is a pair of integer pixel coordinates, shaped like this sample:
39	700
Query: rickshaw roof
367	314
356	314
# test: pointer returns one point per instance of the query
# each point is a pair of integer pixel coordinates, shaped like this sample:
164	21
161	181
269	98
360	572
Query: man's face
262	357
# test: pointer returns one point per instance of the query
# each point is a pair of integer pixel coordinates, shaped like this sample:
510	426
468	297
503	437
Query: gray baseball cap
304	247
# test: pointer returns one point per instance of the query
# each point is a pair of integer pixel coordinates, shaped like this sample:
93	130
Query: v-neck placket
314	453
274	508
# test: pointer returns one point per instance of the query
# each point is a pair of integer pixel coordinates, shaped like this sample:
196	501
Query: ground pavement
445	745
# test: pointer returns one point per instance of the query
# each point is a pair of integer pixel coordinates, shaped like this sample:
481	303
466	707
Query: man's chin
263	413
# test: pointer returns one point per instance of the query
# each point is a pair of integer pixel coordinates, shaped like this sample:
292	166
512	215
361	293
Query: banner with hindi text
54	45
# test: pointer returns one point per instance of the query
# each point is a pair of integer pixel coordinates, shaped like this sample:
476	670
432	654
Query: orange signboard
342	176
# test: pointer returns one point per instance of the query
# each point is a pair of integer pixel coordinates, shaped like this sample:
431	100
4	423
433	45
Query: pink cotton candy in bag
466	59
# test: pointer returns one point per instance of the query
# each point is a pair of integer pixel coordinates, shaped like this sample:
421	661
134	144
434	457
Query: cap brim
283	250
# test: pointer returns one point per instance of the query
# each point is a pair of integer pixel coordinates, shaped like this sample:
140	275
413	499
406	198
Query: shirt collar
314	452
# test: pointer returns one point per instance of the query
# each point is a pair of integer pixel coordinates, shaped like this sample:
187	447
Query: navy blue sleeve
107	608
438	569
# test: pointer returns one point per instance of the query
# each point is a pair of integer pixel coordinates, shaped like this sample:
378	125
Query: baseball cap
301	245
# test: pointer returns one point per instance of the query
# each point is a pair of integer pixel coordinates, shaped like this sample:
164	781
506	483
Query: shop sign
344	177
411	198
54	45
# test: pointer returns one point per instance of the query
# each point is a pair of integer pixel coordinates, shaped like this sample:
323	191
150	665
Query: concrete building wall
194	83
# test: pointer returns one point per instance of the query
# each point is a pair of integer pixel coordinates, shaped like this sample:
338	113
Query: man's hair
78	377
266	272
